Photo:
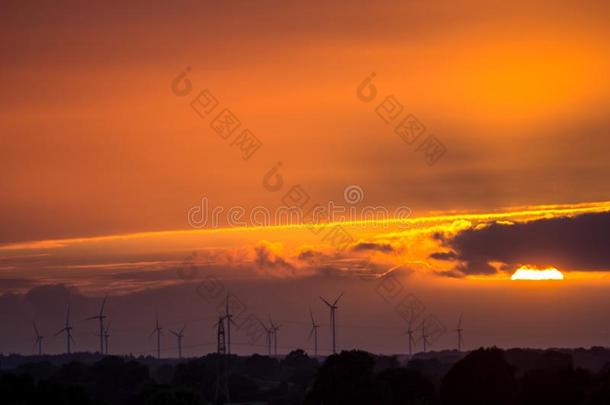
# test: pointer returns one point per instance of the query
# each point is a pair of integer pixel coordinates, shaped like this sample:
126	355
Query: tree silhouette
482	377
401	386
345	378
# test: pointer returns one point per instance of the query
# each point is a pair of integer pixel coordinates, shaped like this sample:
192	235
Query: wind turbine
179	335
229	316
68	330
424	336
333	308
269	335
157	330
101	317
274	329
314	332
38	341
459	331
410	334
106	336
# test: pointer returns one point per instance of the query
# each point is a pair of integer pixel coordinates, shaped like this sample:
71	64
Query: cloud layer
569	243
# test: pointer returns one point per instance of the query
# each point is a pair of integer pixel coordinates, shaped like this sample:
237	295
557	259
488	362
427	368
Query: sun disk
529	273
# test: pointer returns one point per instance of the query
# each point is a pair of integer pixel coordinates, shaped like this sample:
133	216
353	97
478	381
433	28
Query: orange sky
94	143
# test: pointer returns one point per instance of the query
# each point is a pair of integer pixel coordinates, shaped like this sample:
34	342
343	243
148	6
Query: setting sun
529	273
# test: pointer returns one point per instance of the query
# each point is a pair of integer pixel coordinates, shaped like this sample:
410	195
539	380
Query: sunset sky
105	158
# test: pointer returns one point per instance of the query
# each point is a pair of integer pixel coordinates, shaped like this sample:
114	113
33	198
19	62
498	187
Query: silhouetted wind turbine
101	317
459	331
424	336
333	308
410	334
179	335
38	341
106	336
68	330
157	330
314	332
229	316
269	335
274	329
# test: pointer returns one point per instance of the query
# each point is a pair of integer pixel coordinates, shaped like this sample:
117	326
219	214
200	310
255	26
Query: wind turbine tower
229	317
274	329
68	330
38	341
100	317
333	308
106	336
157	330
179	336
314	332
459	331
269	337
424	336
410	334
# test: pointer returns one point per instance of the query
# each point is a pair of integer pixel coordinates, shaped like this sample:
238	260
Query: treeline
484	376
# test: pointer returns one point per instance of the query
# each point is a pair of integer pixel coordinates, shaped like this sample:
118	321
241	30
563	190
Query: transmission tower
222	385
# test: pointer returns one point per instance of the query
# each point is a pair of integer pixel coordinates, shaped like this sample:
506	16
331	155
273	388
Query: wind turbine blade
338	298
460	322
72	339
326	302
59	331
36	329
182	330
68	316
311	334
103	304
173	333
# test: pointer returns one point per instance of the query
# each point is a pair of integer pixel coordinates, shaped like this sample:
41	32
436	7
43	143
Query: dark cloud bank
569	243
